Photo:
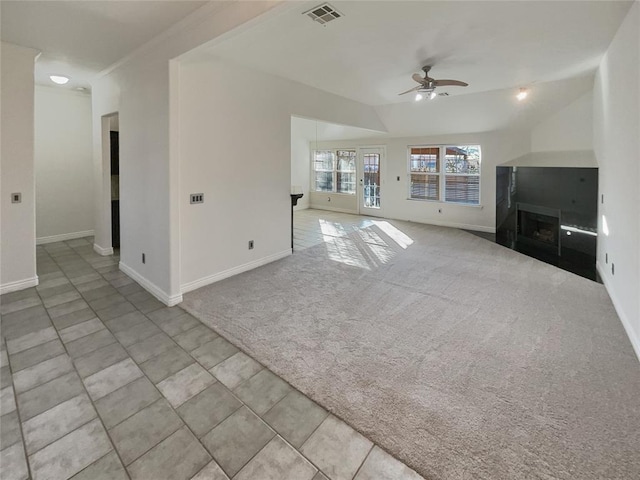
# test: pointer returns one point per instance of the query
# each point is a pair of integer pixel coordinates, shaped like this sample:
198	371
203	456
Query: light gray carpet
462	358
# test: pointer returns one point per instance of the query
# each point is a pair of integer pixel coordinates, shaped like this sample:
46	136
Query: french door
369	185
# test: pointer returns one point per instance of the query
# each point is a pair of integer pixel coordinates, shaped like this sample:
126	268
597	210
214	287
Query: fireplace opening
539	227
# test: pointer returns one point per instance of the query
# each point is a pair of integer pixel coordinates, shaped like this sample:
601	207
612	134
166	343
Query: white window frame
334	171
442	174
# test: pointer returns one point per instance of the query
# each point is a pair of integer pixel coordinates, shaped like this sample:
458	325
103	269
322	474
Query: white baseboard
64	236
152	288
466	226
633	337
463	226
333	209
216	277
19	285
102	251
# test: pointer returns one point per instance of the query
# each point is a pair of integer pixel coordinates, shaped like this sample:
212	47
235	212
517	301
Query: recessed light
59	79
522	94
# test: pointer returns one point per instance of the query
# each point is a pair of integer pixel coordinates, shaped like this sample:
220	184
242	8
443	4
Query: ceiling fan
428	85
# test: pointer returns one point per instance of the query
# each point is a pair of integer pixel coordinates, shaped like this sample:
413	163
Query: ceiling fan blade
412	90
418	78
450	83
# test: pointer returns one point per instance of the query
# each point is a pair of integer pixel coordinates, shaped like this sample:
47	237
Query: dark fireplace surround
549	213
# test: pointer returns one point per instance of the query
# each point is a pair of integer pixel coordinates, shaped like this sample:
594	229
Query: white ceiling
81	38
318	131
553	47
370	53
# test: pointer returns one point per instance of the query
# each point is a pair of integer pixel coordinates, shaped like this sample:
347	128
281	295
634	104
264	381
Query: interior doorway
114	140
111	179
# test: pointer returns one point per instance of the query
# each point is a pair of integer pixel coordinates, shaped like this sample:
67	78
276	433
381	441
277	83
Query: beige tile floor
313	227
100	380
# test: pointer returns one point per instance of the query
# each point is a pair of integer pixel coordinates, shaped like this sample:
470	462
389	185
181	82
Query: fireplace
538	227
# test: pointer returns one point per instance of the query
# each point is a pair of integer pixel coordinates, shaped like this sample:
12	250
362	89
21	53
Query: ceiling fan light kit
522	94
428	85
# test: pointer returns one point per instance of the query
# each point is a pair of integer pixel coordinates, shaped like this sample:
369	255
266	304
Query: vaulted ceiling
368	55
370	52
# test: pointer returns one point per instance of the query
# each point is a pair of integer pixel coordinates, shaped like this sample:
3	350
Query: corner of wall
166	298
633	338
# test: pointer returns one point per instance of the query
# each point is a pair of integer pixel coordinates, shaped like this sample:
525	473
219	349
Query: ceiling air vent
323	13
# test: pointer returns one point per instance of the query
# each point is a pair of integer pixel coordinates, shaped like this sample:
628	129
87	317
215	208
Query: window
346	172
334	171
323	169
457	182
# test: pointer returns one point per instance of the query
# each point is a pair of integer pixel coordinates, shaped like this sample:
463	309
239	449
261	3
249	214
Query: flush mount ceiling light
522	94
59	79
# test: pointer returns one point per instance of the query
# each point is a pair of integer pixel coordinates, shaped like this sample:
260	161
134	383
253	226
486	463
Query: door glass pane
371	183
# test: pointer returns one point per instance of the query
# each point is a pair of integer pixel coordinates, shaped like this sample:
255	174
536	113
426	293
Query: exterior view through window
334	171
445	173
371	187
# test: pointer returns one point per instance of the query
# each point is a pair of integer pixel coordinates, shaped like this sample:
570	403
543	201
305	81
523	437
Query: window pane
346	182
323	160
346	160
371	190
463	159
425	187
462	189
424	159
324	181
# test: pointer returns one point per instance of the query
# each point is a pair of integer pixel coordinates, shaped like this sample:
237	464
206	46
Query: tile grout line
161	395
83	387
15	399
242	403
364	460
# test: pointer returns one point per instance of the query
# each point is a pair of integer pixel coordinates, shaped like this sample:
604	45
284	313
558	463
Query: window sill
317	192
439	202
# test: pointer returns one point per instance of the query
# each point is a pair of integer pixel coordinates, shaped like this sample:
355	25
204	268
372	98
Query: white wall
18	256
143	89
571	128
300	167
63	164
617	148
238	153
497	148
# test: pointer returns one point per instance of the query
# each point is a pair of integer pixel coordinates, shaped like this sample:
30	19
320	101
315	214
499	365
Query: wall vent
323	14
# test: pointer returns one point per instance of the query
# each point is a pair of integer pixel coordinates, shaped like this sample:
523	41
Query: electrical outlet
196	198
144	258
250	244
16	198
398	178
